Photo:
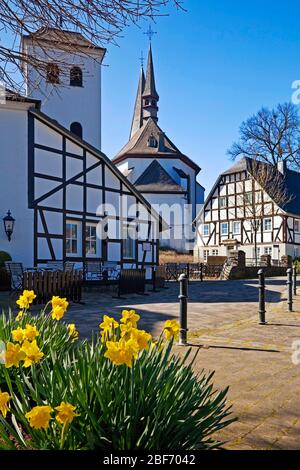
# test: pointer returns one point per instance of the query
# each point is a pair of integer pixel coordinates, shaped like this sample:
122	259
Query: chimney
281	166
161	142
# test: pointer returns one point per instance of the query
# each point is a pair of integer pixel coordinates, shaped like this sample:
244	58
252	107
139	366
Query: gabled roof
156	179
63	37
101	156
138	146
290	179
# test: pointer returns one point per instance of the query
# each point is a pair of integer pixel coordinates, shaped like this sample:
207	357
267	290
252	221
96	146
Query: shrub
120	392
4	257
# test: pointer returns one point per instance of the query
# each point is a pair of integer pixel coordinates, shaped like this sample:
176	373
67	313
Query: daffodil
26	299
108	326
39	417
4	399
141	337
129	316
33	354
20	315
30	332
18	335
72	331
59	302
57	313
122	351
66	413
171	329
13	355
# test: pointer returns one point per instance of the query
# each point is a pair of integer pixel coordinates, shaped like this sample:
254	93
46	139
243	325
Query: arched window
152	141
76	128
52	73
76	76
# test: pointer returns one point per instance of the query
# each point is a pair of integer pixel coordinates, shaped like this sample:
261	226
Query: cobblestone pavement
254	360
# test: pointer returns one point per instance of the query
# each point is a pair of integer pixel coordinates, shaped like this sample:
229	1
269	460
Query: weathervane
150	33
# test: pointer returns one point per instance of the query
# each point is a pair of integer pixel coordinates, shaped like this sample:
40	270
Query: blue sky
215	65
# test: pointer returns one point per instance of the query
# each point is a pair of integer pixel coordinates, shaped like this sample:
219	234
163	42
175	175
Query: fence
196	271
45	284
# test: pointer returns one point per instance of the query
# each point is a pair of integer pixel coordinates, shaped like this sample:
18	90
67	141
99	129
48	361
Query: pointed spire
137	119
150	90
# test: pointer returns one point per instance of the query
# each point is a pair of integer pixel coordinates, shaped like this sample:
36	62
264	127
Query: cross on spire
142	59
150	33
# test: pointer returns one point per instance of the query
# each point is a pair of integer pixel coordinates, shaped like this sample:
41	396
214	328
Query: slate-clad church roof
156	179
137	119
138	146
150	89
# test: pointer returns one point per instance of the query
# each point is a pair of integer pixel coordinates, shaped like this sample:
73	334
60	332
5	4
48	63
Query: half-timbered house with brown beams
241	214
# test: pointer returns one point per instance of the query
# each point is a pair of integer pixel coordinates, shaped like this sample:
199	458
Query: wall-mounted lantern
9	223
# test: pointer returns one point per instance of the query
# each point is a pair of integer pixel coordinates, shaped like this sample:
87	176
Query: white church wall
67	103
13	182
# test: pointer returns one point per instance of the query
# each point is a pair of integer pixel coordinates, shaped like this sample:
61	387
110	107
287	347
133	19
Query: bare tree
266	180
97	21
271	136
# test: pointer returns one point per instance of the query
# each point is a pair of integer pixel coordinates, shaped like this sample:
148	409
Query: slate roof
11	95
155	178
150	89
138	146
137	119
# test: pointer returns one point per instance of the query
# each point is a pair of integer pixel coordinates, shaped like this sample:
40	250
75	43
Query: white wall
13	182
67	103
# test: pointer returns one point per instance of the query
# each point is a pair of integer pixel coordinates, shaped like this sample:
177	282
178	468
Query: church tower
70	86
157	168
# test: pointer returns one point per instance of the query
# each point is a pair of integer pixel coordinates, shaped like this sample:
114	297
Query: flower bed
123	390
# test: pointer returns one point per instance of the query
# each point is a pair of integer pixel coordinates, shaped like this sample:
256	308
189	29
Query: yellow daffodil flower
72	331
57	313
66	413
129	316
122	351
33	354
13	355
171	329
39	417
108	326
26	299
4	399
141	337
59	302
18	335
19	316
30	332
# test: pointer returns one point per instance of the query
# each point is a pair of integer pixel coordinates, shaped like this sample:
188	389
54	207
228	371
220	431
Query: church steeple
150	95
137	119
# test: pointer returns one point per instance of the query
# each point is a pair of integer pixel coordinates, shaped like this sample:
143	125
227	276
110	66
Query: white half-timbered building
69	201
226	222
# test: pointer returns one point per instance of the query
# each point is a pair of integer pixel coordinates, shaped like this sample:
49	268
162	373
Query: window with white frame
205	254
223	202
215	252
224	228
236	228
296	225
268	250
73	230
267	225
128	242
206	230
91	245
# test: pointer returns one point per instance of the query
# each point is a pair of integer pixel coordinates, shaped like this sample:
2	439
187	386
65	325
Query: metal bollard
289	283
183	299
261	297
295	279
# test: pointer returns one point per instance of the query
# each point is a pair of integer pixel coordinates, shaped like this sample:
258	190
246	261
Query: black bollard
261	297
183	299
295	279
201	272
289	283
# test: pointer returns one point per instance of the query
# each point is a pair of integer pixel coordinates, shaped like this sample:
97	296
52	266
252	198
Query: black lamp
9	223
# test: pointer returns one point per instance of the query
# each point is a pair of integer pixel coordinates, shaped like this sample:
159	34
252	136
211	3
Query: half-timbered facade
69	200
240	214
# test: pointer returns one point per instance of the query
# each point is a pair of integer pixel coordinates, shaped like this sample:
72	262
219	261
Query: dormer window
52	74
152	141
75	76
